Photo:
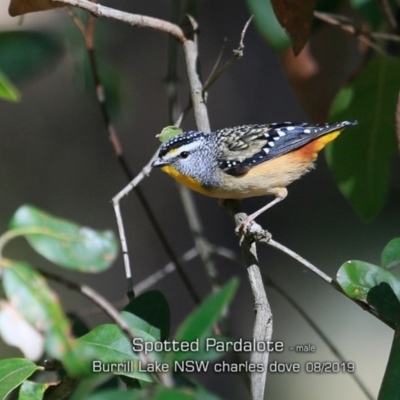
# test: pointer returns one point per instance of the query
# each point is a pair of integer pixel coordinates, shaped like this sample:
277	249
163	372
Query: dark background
55	154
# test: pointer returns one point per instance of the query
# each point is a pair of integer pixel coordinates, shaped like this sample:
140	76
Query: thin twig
388	14
349	28
398	121
88	34
237	54
300	259
196	87
141	21
109	310
268	281
216	63
385	36
201	243
258	234
162	273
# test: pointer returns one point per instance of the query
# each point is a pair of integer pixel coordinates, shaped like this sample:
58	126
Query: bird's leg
280	194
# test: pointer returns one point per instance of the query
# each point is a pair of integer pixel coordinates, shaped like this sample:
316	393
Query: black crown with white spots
179	140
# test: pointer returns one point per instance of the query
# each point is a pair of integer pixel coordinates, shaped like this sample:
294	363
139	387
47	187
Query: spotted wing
246	146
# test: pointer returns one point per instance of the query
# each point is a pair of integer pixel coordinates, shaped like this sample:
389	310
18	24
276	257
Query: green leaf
25	54
390	388
360	157
152	307
370	10
117	395
268	25
164	393
66	243
13	372
110	345
7	89
168	132
32	390
199	323
38	304
385	301
356	278
96	382
391	254
139	323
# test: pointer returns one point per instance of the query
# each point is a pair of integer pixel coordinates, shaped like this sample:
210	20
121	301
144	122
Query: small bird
246	161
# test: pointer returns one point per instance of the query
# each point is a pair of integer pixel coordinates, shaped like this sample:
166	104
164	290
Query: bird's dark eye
184	154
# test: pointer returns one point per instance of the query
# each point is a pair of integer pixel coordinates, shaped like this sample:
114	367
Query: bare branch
301	260
348	27
237	54
141	21
398	122
263	324
88	33
109	310
388	14
318	331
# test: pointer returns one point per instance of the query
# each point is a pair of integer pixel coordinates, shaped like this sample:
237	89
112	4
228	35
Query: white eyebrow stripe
189	146
173	153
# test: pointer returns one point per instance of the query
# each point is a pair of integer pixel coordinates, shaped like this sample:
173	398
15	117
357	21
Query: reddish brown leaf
20	7
296	18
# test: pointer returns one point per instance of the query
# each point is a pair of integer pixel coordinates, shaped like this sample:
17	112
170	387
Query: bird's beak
158	163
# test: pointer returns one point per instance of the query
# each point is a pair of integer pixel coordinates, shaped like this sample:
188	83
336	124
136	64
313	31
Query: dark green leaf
13	372
390	388
370	10
96	382
64	242
32	390
356	278
360	157
78	325
24	54
268	25
385	301
38	304
153	308
164	393
7	90
110	345
203	394
117	395
391	254
168	132
199	323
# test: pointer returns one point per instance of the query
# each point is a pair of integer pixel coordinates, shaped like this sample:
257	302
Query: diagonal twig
88	34
347	26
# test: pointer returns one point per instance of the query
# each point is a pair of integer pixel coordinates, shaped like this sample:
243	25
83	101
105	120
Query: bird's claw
243	229
249	227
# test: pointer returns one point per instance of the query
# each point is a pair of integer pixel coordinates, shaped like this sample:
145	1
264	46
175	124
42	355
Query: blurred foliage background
55	154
